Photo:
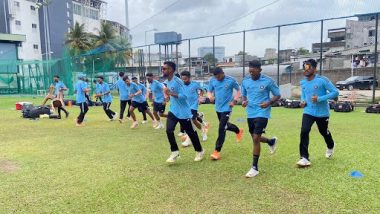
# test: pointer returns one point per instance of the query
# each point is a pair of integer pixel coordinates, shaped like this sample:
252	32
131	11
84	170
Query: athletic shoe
187	142
121	121
174	156
134	125
144	122
201	115
215	155
303	162
67	115
204	136
155	123
199	155
272	145
180	134
329	153
79	124
207	126
114	117
239	135
129	118
252	173
159	126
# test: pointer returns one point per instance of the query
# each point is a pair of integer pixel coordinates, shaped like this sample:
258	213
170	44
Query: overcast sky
193	18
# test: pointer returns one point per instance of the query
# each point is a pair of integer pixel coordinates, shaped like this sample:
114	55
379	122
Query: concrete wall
334	75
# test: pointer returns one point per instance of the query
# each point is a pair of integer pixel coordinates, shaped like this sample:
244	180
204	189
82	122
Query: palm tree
106	33
78	40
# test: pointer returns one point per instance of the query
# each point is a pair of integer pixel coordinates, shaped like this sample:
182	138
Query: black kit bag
344	106
373	109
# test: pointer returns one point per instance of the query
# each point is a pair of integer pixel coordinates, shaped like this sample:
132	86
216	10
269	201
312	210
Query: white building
89	13
22	17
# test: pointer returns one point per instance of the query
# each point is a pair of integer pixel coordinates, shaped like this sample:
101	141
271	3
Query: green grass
107	168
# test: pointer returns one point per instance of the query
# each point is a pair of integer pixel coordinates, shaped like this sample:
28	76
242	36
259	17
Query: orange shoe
239	135
215	155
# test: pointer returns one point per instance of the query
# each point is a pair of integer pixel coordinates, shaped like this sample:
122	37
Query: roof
12	37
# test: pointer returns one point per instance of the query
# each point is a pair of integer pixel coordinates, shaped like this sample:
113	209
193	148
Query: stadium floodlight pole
376	55
213	51
189	57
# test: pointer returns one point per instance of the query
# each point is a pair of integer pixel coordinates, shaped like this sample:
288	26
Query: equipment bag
344	106
373	109
292	104
34	112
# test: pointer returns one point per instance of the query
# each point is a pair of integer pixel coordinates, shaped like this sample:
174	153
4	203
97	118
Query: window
34	26
18	22
68	14
16	4
77	9
371	33
35	47
32	8
67	5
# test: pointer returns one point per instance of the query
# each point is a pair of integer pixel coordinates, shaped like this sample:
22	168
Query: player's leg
307	122
323	127
170	127
223	119
192	133
132	113
123	105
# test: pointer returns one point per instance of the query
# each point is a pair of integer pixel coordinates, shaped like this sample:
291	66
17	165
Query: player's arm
274	89
333	92
244	100
237	95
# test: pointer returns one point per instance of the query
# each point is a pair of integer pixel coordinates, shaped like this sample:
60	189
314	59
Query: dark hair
185	73
125	78
100	77
94	81
134	78
170	64
149	75
56	76
121	74
255	64
217	70
312	62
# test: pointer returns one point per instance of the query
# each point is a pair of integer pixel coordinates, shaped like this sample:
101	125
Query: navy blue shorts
257	125
158	107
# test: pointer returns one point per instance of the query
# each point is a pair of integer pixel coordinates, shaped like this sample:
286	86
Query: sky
196	18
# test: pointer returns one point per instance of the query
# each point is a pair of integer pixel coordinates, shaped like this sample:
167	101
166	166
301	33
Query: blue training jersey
178	106
123	91
223	91
192	94
257	92
104	88
143	91
80	94
321	87
133	88
57	86
157	90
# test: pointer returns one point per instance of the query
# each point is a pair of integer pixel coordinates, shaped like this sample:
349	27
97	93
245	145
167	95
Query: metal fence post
376	55
189	57
278	54
243	54
213	51
321	50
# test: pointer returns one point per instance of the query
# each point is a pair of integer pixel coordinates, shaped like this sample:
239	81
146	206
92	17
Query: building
270	53
22	17
67	13
286	54
120	30
360	33
220	52
337	37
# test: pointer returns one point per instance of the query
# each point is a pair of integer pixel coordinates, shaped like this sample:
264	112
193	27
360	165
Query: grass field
51	166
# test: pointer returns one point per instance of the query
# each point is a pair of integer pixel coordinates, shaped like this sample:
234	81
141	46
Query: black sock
255	162
270	142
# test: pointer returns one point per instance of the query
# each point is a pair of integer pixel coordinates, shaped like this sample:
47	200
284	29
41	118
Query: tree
106	33
302	51
78	40
209	57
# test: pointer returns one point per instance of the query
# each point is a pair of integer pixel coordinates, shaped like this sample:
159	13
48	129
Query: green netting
35	77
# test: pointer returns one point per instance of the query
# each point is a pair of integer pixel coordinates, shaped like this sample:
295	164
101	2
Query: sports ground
52	166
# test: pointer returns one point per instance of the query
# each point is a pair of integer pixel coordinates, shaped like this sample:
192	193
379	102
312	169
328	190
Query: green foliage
209	57
77	40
